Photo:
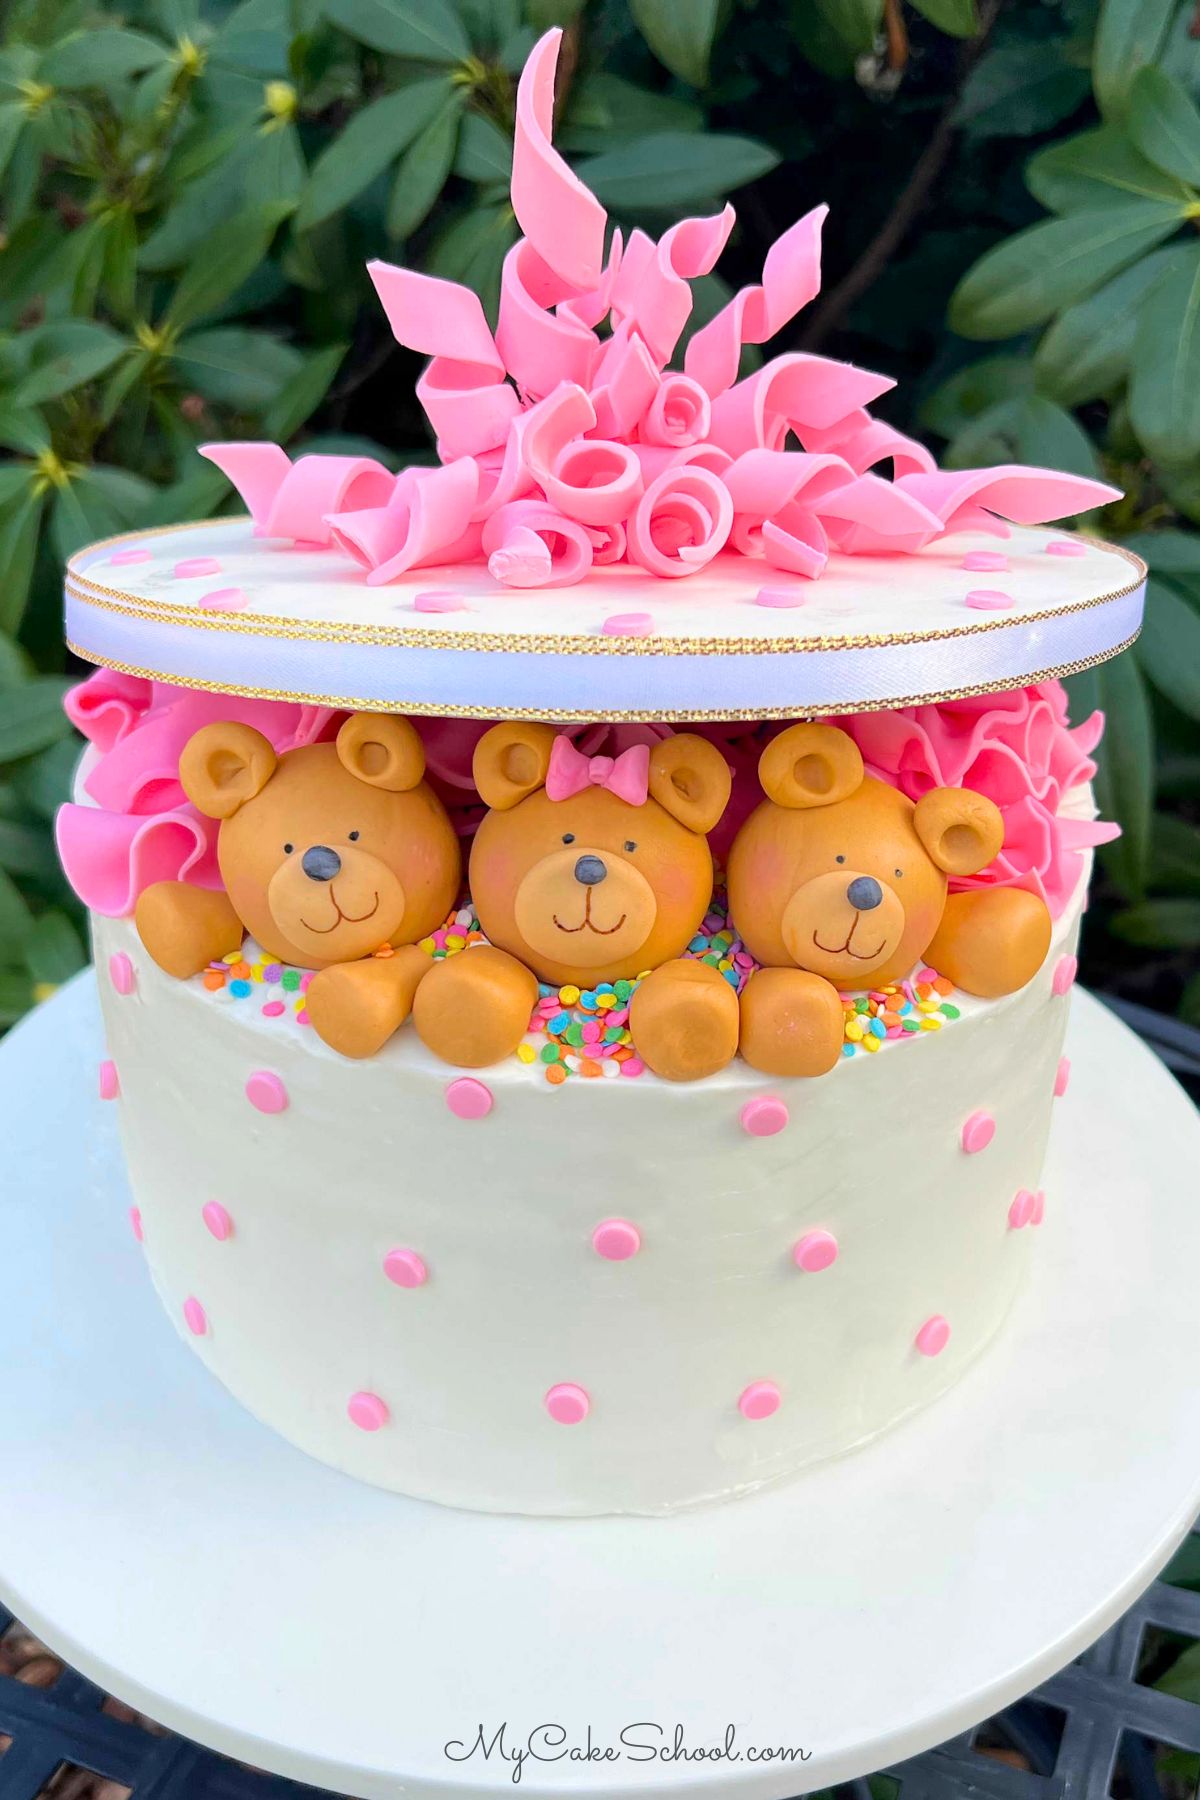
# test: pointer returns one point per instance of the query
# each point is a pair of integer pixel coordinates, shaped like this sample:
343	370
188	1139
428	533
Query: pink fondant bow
627	776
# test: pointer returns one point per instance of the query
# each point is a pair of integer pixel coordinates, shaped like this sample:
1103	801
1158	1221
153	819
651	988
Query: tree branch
829	314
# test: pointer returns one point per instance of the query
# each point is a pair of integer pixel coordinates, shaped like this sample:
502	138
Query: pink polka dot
110	1087
1021	1210
120	972
231	599
273	1009
122	558
780	597
978	1132
1065	971
195	1316
1066	547
1062	1076
616	1240
759	1400
763	1116
635	624
984	562
988	600
217	1220
405	1268
468	1098
367	1411
266	1091
1039	1208
816	1250
197	565
135	1224
439	603
933	1336
567	1404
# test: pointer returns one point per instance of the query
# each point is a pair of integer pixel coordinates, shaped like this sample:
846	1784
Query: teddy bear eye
568	837
839	859
288	848
898	873
630	845
354	837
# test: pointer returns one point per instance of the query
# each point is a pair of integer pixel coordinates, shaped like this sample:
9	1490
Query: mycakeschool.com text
640	1742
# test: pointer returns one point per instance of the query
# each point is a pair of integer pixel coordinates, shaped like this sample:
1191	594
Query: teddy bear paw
684	1021
791	1023
355	1007
184	928
474	1008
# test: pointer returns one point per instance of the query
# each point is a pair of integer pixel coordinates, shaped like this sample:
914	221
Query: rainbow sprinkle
902	1010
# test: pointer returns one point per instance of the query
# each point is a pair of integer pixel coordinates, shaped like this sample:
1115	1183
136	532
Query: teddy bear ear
690	779
382	750
224	765
511	762
810	765
961	831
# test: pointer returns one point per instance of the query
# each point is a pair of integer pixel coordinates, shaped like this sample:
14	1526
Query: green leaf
63	357
1129	34
13	116
80	514
680	33
1168	552
971	390
1169	647
1028	278
1164	393
203	205
854	23
1125	775
1088	169
604	108
670	168
46	780
16	920
119	265
426	30
24	851
53	951
1086	353
22	428
303	394
368	145
957	18
1174	854
95	58
484	151
238	250
14	663
20	526
237	367
1165	125
424	168
1171	924
32	717
1017	89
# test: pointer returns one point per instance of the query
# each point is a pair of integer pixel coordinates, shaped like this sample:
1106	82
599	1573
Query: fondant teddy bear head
332	850
593	867
842	875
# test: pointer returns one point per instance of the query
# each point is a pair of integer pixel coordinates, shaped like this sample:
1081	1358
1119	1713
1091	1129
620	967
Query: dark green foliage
189	191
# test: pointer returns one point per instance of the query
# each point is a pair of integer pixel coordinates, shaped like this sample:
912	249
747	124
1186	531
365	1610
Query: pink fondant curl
530	544
561	217
681	521
292	500
791	278
427	520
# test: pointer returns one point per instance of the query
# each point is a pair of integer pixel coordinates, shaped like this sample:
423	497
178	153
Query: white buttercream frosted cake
585	930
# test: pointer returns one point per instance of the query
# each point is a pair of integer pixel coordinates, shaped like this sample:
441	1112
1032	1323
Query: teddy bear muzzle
335	905
585	906
843	925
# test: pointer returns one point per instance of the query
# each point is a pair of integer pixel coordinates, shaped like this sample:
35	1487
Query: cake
585	930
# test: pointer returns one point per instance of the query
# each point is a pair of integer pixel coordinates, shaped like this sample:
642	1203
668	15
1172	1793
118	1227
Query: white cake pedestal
203	1570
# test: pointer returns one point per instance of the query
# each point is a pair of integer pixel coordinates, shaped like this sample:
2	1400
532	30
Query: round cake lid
214	606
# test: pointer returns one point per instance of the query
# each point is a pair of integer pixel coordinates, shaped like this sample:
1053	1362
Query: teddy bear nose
590	870
864	893
321	863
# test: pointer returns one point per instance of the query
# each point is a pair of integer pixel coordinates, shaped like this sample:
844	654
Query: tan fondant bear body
329	854
837	881
585	870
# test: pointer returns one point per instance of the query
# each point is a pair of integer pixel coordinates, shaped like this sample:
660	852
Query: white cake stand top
215	607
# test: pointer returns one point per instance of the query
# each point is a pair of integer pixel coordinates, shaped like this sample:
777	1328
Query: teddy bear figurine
330	854
587	869
837	880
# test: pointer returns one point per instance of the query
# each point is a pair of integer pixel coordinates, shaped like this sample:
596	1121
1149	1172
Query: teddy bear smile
845	950
343	918
585	924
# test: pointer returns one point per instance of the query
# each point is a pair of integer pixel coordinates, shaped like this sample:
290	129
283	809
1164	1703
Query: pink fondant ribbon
292	500
791	278
570	772
561	217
